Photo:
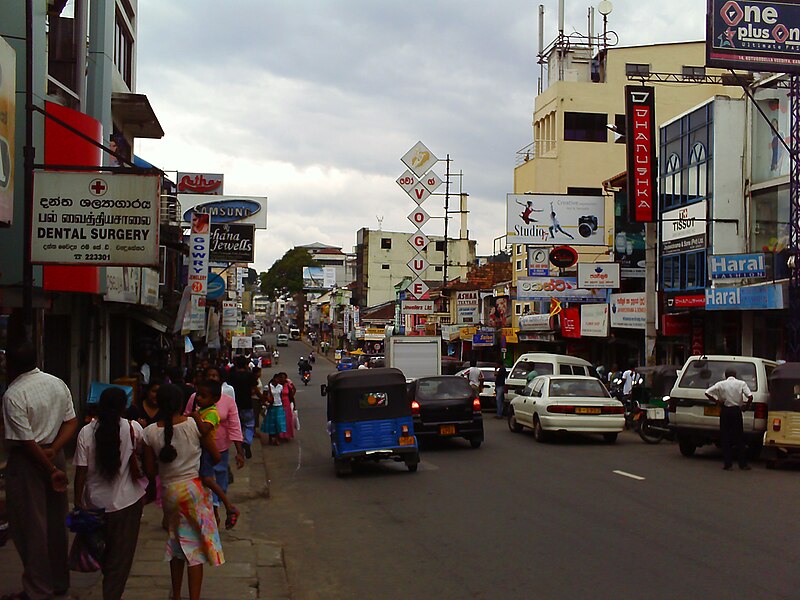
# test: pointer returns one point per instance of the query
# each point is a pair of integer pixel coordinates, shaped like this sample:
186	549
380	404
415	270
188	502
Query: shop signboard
570	322
417	307
95	219
543	322
757	297
736	266
226	209
209	184
598	275
233	242
466	333
229	314
555	219
450	332
629	311
467	307
753	35
684	228
374	333
682	302
640	138
8	94
197	313
123	284
241	342
676	325
538	262
149	292
594	320
199	242
483	339
562	288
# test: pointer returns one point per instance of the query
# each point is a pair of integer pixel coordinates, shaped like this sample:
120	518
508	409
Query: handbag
137	472
89	545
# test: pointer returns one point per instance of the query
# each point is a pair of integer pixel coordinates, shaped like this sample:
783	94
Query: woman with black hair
172	450
103	480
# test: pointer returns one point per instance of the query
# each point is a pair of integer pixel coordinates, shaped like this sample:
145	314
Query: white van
695	418
544	364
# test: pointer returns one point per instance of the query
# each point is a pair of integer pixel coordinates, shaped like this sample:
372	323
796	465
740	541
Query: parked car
347	363
544	364
446	406
569	403
487	395
282	339
695	419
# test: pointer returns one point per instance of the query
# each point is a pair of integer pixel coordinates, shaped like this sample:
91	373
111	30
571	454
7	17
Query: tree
286	273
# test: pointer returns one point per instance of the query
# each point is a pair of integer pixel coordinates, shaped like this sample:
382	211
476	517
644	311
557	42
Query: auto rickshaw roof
361	378
786	371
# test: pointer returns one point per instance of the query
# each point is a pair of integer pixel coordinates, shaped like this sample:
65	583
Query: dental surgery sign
737	266
95	219
753	35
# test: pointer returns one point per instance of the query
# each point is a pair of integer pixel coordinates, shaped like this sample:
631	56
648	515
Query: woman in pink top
287	398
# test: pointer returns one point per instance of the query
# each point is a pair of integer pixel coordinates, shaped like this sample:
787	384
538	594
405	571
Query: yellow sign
510	334
468	332
8	82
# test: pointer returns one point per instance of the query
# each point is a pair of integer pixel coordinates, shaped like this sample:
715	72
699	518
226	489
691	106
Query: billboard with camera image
551	219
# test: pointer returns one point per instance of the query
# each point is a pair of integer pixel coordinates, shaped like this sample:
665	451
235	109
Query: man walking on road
732	395
39	420
500	375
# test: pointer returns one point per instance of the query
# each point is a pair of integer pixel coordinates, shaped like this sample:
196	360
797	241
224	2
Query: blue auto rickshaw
370	418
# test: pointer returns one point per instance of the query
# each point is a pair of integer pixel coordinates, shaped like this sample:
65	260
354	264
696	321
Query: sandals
232	518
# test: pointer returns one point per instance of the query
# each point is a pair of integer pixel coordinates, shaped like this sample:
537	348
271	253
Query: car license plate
655	413
406	440
587	410
711	411
447	429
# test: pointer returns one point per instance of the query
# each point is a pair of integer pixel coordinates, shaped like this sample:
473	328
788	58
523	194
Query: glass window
443	388
517	308
537	387
373	400
671	184
702	374
634	69
386	243
519	265
696	187
585	127
693	73
523	367
565	370
770	219
587	388
440	246
770	159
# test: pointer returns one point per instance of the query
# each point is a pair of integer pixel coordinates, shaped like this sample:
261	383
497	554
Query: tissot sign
753	35
640	139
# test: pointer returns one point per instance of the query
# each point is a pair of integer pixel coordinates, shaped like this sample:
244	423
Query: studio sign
225	211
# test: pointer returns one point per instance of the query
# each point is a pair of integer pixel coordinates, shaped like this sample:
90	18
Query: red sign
570	322
563	256
697	337
200	183
687	301
675	325
640	138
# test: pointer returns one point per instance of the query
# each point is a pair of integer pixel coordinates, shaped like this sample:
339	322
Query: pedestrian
733	396
39	421
287	400
256	396
475	377
276	357
145	409
629	379
104	480
275	420
172	450
244	386
229	433
500	375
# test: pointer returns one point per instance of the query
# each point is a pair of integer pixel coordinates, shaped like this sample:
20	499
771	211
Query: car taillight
672	406
613	410
561	408
414	407
760	410
404	429
776	424
476	405
348	435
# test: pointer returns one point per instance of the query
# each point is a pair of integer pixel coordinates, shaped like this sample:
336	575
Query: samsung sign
737	266
226	209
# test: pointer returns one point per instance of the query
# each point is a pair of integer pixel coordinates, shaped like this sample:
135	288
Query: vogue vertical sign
640	137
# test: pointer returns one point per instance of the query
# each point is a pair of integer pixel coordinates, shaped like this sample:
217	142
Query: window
585	127
517	308
699	375
438	269
519	265
520	248
770	219
695	270
522	368
670	272
565	370
693	73
619	124
637	69
440	246
385	267
672	182
123	49
373	400
698	172
386	243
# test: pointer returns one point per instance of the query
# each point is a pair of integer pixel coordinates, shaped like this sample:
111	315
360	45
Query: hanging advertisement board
233	242
149	292
598	275
594	320
640	142
95	219
208	184
758	297
538	262
417	307
467	307
226	209
123	284
570	322
555	219
736	266
563	288
684	229
629	311
8	81
198	253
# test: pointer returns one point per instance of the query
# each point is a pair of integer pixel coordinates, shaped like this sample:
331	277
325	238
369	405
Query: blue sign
215	287
736	266
758	297
225	211
483	339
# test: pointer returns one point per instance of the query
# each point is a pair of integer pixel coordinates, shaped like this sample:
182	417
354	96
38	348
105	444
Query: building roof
482	278
319	246
380	312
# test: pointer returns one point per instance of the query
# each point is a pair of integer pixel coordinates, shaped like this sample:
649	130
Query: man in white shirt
475	376
628	380
39	420
733	396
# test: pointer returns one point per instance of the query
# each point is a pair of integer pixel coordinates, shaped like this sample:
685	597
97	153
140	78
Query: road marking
631	475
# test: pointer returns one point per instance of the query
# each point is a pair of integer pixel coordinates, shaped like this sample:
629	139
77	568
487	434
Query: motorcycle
649	416
306	377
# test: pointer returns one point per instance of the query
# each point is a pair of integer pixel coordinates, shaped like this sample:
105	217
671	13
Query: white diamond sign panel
418	288
431	181
418	265
407	181
418	240
419	194
419	217
419	159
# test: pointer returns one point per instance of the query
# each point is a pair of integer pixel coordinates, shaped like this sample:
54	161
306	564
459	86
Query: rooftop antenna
541	47
380	222
604	8
591	30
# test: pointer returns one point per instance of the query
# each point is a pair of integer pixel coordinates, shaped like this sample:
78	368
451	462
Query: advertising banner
736	266
450	332
8	82
570	322
629	311
563	288
759	297
598	275
640	141
95	219
229	314
417	307
555	219
123	284
684	229
683	302
594	320
538	262
200	183
243	342
328	277
199	241
197	314
149	295
468	307
483	339
233	242
226	209
542	322
753	35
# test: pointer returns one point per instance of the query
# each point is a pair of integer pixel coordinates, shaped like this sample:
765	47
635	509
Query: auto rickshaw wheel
343	467
686	445
475	442
412	467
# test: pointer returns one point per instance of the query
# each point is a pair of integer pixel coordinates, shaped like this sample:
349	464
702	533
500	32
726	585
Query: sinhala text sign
95	219
754	35
555	219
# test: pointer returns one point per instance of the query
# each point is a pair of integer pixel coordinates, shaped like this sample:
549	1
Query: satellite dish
605	7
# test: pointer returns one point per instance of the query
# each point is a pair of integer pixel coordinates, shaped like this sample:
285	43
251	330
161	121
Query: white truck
416	356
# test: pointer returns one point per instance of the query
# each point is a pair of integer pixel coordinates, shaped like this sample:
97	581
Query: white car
580	404
487	396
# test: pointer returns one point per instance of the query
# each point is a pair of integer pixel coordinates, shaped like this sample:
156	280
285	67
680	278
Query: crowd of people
171	446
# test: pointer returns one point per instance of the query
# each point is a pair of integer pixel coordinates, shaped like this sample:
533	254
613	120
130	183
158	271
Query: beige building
573	149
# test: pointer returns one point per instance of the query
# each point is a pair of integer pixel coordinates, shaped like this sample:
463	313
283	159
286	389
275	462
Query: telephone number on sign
92	256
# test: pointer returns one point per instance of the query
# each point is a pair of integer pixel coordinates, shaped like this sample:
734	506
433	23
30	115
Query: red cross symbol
98	186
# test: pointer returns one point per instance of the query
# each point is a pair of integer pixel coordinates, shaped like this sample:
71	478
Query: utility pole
446	217
29	153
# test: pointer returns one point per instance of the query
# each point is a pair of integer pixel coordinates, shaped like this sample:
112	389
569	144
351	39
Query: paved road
518	519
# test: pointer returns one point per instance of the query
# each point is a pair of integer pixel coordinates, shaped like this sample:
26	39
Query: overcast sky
312	103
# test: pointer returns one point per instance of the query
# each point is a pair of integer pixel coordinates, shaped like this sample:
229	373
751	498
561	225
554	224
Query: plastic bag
296	420
89	545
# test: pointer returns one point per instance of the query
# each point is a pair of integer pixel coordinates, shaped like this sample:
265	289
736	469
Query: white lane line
631	475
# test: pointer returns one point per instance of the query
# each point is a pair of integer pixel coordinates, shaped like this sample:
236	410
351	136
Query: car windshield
523	367
587	388
702	374
488	375
445	388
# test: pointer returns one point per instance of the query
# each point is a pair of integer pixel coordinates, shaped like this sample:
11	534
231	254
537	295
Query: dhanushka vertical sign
640	137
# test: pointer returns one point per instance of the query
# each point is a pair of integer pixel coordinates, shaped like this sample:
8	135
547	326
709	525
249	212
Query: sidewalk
254	566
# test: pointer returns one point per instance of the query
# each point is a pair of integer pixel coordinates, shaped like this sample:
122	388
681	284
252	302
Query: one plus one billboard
754	35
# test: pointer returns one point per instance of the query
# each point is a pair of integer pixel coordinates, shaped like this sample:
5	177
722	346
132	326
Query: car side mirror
323	389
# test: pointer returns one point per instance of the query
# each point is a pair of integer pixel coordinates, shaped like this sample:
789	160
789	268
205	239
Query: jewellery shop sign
95	219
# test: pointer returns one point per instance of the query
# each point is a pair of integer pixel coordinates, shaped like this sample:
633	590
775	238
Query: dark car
446	406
